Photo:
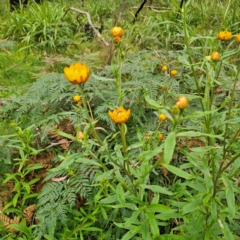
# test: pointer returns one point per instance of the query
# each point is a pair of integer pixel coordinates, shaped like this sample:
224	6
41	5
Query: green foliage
41	27
146	178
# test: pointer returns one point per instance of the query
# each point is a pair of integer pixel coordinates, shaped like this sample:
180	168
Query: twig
139	9
90	23
56	144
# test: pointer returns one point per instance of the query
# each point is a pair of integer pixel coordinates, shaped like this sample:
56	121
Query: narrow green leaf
66	135
230	196
157	189
15	199
91	229
149	154
104	214
110	199
177	171
133	219
131	233
103	78
169	147
152	103
9	177
232	121
22	229
120	194
191	207
203	149
225	229
157	208
197	134
26	186
153	223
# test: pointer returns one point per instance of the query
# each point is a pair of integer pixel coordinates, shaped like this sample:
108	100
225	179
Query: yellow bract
162	117
77	73
119	115
215	56
164	68
160	136
76	98
117	31
238	38
174	72
117	38
182	102
224	35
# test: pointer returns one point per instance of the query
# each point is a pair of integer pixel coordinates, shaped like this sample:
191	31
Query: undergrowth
150	151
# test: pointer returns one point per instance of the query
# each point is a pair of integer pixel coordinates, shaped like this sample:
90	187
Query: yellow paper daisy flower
224	35
77	73
119	115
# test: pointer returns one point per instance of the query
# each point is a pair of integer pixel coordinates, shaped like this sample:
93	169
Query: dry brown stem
90	23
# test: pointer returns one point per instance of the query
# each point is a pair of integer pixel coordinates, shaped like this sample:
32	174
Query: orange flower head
215	56
117	38
162	117
182	102
224	35
160	136
165	88
117	31
173	72
164	68
119	115
76	98
77	73
238	38
80	135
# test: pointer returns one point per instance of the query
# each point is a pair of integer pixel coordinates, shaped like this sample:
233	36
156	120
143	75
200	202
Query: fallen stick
90	23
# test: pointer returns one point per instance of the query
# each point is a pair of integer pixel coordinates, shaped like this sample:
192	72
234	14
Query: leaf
157	189
229	196
110	199
22	229
103	78
104	214
183	59
198	114
66	135
149	154
120	194
26	186
157	208
203	149
225	229
169	146
131	233
153	223
74	158
172	237
197	134
15	199
191	207
152	103
177	171
91	229
232	121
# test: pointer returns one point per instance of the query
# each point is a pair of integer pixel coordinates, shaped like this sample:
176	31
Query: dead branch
56	144
90	23
139	9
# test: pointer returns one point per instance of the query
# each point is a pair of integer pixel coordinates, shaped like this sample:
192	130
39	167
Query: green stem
225	147
229	114
189	56
93	129
123	137
119	76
